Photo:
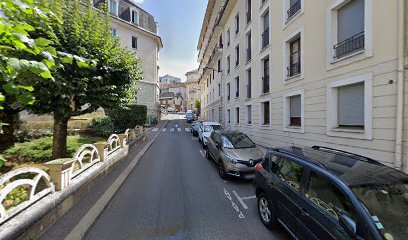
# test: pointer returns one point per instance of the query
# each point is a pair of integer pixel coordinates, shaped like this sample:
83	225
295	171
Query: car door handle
304	212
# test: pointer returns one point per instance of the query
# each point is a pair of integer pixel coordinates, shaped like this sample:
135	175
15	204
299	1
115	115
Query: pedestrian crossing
171	129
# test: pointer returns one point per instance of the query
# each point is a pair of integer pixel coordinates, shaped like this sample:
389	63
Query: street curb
80	230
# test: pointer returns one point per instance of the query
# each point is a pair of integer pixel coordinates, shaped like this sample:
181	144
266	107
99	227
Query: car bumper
239	170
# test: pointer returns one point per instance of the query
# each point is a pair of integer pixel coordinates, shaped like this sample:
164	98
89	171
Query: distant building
177	88
167	79
192	89
171	101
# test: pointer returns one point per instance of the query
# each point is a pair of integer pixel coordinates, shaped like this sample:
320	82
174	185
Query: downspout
399	164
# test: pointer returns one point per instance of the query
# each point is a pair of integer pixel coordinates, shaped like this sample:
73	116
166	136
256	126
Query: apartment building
193	89
167	79
327	72
137	31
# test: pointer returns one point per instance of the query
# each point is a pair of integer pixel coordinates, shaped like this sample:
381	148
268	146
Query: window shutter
351	105
350	20
295	106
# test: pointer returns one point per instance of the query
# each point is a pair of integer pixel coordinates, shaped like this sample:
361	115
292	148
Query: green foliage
40	150
16	197
130	117
102	127
2	161
151	119
197	104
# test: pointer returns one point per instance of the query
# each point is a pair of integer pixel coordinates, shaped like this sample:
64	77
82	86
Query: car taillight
258	167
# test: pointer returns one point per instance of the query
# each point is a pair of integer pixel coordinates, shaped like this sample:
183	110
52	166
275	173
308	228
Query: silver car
234	152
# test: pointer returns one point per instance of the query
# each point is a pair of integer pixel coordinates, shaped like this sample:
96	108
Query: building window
293	111
237	87
350	28
249	114
220	42
350	106
265	78
229	115
294	8
228	91
294	58
134	42
237	116
249	11
265	33
228	37
266	113
249	83
135	17
219	89
249	43
237	56
219	65
228	65
237	23
113	7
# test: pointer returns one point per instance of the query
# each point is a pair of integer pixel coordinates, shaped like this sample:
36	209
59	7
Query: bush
102	126
151	119
131	117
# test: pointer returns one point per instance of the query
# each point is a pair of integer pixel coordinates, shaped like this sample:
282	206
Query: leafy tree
197	104
109	83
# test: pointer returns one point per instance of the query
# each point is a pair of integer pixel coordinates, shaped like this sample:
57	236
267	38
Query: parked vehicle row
313	192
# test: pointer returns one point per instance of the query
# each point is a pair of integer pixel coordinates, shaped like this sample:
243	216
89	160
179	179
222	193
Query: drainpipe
399	163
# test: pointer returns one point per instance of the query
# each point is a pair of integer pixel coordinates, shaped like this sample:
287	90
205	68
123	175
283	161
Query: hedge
130	117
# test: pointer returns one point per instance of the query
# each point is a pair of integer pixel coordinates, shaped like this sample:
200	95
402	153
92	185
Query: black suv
324	193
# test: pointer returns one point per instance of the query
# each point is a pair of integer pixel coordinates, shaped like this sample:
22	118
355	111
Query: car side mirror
348	224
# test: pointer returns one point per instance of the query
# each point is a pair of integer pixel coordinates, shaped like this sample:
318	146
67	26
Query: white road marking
155	129
235	206
164	129
172	130
179	129
250	197
202	153
240	200
176	125
187	129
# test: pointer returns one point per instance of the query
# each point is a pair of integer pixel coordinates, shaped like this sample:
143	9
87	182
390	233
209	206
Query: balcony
293	69
265	38
294	9
248	52
265	84
349	46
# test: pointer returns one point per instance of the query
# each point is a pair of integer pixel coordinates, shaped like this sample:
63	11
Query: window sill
294	129
335	60
290	20
264	94
236	67
248	61
294	78
348	130
248	24
248	124
349	133
265	125
264	49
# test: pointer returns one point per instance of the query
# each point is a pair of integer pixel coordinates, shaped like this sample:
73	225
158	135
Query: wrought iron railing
265	38
294	9
293	69
265	84
349	45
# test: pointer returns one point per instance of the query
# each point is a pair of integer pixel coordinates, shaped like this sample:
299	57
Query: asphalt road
175	193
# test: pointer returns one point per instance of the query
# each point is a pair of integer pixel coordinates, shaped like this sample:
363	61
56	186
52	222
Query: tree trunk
7	137
59	142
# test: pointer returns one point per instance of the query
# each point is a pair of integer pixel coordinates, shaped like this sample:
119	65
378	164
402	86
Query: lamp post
221	93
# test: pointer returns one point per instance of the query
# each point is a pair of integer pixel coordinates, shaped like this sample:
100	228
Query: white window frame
287	21
117	7
246	114
261	113
332	108
286	56
263	11
235	116
286	112
133	9
264	56
331	35
228	116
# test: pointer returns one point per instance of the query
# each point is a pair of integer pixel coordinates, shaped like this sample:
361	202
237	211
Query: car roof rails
281	150
349	154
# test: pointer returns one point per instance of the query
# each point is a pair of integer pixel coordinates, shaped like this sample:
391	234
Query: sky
179	27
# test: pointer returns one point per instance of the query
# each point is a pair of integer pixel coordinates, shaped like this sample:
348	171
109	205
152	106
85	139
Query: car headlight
230	159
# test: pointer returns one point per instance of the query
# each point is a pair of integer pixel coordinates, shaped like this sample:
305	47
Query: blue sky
179	27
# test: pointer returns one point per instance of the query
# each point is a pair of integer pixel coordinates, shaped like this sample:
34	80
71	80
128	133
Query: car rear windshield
210	128
240	140
388	206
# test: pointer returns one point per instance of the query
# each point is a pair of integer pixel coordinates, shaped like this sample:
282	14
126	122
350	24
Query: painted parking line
233	204
179	129
187	129
176	125
250	197
155	129
202	153
171	129
164	129
240	200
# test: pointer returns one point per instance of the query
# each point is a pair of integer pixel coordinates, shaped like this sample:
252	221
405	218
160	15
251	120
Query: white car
205	130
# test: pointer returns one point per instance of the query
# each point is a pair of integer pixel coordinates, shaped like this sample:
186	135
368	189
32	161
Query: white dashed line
202	153
176	125
164	129
155	129
240	200
172	130
179	129
250	197
187	129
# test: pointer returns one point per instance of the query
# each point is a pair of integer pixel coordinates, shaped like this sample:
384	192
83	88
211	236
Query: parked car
324	193
190	117
205	130
195	127
234	152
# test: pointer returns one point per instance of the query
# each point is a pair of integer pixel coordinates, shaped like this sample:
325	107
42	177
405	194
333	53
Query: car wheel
207	154
266	214
221	170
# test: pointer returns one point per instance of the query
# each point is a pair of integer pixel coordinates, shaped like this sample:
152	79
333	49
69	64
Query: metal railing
265	38
293	69
265	84
294	9
349	45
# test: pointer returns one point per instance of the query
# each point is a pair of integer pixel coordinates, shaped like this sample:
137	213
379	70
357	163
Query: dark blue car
190	117
324	193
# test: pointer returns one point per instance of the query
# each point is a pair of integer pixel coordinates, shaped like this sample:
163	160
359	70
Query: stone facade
193	89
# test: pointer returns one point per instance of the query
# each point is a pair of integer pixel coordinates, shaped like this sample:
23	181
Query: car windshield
210	128
388	205
240	141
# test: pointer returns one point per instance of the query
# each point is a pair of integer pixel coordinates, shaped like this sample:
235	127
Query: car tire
266	213
221	170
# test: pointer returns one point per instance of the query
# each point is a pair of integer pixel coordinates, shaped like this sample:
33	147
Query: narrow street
176	193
